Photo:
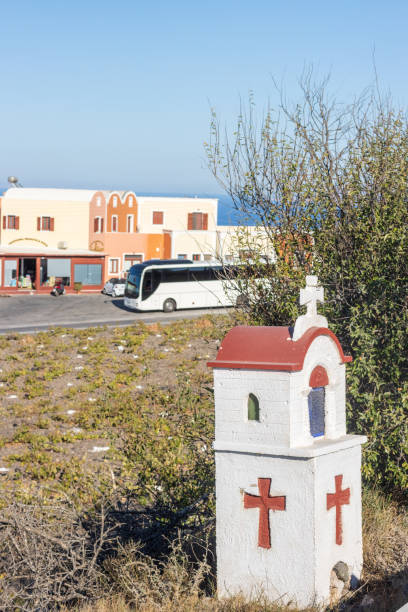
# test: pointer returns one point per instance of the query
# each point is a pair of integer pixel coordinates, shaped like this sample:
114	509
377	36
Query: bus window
151	281
175	275
133	281
199	274
215	273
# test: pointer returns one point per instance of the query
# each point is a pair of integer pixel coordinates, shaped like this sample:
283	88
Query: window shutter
51	224
205	221
95	224
38	223
17	223
4	222
190	221
101	225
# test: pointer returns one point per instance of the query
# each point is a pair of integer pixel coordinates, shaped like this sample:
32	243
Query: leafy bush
329	187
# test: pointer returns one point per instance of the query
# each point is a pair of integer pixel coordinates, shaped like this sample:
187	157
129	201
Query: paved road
31	313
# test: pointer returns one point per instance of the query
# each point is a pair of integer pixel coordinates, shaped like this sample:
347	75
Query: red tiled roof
268	348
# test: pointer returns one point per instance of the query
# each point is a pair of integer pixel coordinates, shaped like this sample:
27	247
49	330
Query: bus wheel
169	305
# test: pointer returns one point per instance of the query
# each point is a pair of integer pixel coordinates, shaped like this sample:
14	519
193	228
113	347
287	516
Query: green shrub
330	190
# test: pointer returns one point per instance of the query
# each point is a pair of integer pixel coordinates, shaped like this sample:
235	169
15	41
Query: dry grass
385	534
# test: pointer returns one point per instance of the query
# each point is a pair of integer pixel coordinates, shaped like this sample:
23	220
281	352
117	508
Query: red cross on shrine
265	503
337	500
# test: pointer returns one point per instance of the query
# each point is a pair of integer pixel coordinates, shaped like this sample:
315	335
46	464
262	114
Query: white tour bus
170	284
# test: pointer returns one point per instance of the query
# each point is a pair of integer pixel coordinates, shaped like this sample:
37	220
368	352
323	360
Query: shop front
22	272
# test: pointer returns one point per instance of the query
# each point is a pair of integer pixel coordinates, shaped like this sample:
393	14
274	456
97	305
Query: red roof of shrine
268	348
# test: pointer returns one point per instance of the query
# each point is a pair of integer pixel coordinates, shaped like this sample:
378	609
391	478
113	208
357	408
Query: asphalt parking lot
30	313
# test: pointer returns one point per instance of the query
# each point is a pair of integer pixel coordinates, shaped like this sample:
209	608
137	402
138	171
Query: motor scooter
58	289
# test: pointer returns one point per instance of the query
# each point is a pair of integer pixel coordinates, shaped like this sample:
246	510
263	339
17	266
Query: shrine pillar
288	483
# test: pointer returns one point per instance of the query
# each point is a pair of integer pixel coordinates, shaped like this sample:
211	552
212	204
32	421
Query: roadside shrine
288	483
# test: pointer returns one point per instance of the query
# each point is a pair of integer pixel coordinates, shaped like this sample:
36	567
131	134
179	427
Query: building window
131	260
197	221
98	201
114	223
197	257
115	201
158	217
98	225
88	274
130	223
45	224
253	408
11	222
130	201
316	401
113	266
10	273
207	257
55	269
182	256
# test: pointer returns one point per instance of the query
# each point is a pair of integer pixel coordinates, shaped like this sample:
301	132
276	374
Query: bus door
151	281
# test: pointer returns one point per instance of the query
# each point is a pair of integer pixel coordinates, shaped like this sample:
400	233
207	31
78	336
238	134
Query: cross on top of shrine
311	295
265	503
337	500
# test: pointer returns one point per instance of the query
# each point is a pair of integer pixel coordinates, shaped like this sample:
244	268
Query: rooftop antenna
14	182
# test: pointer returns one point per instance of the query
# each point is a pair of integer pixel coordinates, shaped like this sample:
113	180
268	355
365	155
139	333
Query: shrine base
303	531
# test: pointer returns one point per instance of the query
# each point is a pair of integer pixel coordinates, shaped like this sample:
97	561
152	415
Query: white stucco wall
303	548
231	390
175	211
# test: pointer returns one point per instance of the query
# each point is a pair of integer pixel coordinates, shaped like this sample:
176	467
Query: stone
342	571
309	298
336	588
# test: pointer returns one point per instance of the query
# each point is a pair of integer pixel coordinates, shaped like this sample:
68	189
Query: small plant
77	287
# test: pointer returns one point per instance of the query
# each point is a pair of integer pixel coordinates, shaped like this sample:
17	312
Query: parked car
119	288
114	286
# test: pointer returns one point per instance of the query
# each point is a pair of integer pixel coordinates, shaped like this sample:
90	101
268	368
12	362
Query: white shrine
288	483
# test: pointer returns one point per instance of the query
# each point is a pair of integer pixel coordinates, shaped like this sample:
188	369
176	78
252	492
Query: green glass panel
253	408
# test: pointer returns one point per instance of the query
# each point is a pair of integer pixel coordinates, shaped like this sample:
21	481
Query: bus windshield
133	281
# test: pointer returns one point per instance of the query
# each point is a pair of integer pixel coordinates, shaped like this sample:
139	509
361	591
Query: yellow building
117	228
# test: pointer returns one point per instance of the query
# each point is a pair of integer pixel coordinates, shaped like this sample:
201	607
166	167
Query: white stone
70	385
309	297
121	348
99	449
79	356
12	397
91	399
79	367
71	412
4	470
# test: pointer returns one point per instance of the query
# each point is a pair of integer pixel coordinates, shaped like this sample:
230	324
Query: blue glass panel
88	274
316	411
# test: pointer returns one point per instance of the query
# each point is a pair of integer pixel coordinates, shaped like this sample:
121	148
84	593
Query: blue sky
117	94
